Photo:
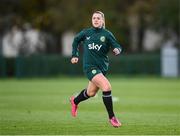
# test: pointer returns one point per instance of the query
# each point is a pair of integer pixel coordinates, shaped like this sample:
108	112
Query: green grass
41	106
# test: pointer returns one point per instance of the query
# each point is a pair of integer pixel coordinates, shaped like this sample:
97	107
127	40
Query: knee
106	87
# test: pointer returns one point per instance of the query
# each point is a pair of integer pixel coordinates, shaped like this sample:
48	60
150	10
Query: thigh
91	72
92	89
102	82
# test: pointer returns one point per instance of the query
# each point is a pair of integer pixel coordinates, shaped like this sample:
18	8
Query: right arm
75	46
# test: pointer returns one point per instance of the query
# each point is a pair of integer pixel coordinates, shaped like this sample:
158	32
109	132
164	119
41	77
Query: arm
114	44
75	47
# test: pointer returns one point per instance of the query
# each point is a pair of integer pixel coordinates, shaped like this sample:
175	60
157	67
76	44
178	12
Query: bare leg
102	82
92	89
86	93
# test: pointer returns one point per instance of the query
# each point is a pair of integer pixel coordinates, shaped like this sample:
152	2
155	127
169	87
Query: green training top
96	45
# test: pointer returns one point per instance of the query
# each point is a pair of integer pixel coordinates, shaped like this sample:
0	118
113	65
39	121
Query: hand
117	51
74	60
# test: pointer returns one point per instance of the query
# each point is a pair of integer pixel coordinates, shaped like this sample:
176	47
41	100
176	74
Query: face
97	20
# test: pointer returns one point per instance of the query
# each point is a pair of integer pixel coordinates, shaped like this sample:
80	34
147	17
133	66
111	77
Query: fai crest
102	38
94	71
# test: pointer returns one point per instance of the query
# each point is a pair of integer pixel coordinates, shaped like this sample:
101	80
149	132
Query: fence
54	65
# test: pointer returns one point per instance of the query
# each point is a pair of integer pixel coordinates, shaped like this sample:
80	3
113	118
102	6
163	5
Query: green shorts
92	71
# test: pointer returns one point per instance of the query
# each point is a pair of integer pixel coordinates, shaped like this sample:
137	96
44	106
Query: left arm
114	44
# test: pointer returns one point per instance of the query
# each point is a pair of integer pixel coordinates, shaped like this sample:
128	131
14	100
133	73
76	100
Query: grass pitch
145	106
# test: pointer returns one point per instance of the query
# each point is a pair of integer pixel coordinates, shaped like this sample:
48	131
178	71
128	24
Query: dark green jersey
96	45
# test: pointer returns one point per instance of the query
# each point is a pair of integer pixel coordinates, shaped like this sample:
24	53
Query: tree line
58	16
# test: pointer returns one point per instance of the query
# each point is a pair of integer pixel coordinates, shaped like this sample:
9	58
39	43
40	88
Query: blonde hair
103	17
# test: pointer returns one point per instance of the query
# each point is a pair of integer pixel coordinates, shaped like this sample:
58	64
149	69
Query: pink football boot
115	122
73	107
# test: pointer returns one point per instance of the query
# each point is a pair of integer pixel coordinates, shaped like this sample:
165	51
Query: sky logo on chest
94	46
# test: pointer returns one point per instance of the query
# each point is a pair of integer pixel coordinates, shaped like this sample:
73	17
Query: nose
96	20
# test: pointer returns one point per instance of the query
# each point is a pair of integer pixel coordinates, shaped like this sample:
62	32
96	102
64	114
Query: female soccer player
97	41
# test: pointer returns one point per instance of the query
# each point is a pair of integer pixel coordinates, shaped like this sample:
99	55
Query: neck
98	28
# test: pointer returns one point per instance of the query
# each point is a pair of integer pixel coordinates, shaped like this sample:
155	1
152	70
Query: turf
145	106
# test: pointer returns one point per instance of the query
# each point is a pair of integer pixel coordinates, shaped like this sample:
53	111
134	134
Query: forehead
97	15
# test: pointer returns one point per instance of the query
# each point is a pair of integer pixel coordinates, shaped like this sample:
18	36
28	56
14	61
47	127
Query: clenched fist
117	51
74	60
